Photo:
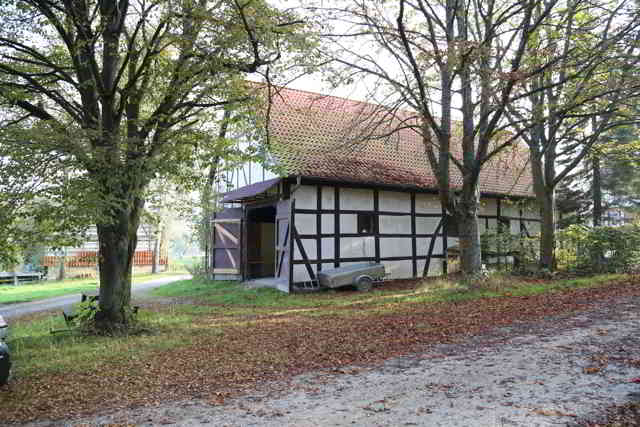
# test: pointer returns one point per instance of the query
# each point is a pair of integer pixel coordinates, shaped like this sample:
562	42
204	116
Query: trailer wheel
364	284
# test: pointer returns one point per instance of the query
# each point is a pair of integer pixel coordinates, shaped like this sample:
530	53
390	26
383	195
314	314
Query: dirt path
552	372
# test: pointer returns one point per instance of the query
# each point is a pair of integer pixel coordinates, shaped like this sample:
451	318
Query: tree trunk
62	274
597	254
469	233
118	242
156	248
547	230
596	187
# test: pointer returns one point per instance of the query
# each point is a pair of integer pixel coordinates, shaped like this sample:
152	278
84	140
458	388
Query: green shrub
197	270
599	249
498	245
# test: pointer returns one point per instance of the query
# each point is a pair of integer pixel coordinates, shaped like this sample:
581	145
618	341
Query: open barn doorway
261	242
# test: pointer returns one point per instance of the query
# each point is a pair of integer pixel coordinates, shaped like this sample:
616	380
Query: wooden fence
90	259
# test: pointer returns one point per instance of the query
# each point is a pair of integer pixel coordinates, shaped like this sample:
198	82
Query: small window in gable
366	223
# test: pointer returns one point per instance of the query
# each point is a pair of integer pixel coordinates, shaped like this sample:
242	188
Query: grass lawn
31	291
217	338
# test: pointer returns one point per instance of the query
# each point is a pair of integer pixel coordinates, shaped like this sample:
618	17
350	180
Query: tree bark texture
469	234
548	230
118	242
596	189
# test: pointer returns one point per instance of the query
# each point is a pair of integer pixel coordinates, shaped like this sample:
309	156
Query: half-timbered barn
348	191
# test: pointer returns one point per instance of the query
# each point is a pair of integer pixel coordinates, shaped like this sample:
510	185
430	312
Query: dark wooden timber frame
296	239
439	233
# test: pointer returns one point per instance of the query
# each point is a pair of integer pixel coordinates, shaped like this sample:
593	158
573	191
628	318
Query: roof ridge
340	98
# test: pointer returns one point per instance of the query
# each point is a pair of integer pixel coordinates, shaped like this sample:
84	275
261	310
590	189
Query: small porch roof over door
250	191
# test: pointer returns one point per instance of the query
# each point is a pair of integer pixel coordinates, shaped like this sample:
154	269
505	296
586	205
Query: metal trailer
363	276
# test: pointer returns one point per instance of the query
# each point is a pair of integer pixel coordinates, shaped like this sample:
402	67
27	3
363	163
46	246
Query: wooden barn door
283	243
227	242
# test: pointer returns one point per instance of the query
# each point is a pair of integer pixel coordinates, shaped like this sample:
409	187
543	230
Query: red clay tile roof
334	138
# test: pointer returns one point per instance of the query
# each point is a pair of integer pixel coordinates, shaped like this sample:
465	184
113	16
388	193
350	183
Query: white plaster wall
310	247
398	269
427	225
393	224
395	246
327	224
327	266
420	265
423	243
300	273
393	201
305	223
328	198
356	199
515	226
488	207
435	267
328	247
427	203
348	223
493	224
305	197
357	247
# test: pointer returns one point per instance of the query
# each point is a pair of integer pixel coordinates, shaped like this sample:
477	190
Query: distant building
82	261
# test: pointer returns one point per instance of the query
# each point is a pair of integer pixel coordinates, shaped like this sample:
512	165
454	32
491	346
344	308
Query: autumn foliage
228	349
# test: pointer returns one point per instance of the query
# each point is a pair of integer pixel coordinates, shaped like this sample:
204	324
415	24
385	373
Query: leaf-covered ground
617	416
228	351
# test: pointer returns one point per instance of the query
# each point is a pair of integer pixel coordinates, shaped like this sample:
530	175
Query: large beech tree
457	64
119	89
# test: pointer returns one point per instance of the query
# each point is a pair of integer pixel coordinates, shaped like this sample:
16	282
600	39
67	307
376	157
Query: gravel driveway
553	372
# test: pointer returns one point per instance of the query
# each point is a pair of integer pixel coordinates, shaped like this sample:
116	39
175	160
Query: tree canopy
117	93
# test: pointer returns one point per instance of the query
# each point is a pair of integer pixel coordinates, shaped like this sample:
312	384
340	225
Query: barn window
451	226
366	223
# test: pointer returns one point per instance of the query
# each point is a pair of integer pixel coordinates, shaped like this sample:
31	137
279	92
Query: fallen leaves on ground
552	413
258	349
627	415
